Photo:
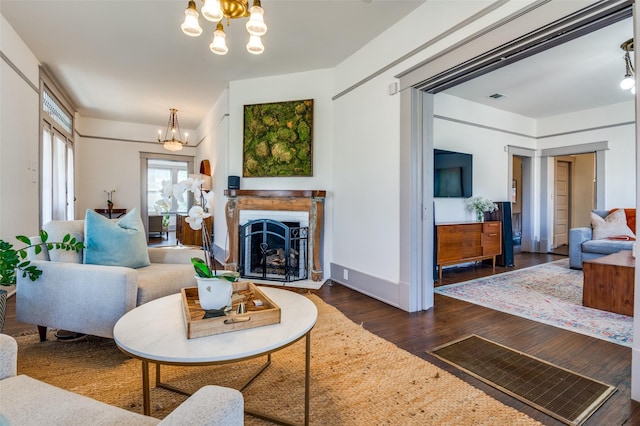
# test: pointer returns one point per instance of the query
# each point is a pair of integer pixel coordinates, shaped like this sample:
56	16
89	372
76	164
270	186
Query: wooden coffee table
155	333
609	282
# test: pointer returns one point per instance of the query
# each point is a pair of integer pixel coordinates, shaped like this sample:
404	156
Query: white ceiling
130	61
580	74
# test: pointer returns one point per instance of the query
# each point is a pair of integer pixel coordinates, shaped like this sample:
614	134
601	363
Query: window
159	171
57	179
158	167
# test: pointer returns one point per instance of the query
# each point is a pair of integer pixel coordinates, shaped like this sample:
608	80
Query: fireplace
260	221
273	250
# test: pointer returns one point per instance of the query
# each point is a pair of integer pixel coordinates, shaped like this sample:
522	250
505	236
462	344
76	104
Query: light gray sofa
90	299
582	247
27	401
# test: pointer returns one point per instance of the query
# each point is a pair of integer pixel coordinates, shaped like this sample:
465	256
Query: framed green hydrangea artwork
278	139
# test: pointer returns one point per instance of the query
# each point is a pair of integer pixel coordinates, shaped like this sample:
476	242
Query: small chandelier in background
173	137
629	81
215	11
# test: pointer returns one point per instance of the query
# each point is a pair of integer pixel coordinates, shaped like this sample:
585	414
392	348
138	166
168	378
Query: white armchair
90	299
24	400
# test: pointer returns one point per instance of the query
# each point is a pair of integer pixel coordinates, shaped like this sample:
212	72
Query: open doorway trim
535	29
144	157
528	32
528	202
547	178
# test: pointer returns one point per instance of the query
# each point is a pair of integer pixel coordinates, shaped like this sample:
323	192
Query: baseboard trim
372	286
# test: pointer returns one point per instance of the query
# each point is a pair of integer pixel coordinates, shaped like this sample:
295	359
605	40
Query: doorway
516	203
575	182
562	193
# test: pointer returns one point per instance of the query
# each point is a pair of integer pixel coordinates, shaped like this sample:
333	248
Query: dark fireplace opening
273	250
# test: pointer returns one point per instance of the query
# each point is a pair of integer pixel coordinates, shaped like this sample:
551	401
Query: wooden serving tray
243	291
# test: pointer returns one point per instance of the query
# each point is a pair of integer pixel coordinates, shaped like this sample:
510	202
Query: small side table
609	283
111	213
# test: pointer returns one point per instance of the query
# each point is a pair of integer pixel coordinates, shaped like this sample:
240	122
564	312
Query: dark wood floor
450	319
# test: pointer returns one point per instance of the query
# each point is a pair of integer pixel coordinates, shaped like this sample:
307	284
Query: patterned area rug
551	294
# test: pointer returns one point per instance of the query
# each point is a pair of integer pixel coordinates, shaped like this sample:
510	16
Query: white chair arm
8	356
210	405
77	297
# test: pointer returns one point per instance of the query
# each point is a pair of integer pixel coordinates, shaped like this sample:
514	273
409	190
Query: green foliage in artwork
278	139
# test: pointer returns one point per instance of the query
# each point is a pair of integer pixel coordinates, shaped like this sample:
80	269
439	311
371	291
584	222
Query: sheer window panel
47	176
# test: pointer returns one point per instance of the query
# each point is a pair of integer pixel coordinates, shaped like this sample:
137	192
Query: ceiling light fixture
215	11
629	81
173	130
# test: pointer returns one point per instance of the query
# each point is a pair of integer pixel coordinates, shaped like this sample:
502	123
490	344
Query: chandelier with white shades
215	11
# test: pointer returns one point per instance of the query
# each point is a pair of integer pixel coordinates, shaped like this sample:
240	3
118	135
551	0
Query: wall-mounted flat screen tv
453	173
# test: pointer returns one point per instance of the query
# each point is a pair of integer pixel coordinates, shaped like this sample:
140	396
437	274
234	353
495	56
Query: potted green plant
214	290
14	260
480	205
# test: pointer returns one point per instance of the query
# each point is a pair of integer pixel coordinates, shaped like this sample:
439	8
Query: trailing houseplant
14	261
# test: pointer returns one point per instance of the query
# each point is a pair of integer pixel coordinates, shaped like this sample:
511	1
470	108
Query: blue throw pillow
121	243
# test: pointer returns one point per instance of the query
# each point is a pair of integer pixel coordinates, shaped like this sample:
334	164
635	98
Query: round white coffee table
155	332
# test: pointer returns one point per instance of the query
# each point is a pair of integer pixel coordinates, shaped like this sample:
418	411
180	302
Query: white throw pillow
614	225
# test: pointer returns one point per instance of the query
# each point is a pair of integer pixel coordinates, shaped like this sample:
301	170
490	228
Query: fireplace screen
272	250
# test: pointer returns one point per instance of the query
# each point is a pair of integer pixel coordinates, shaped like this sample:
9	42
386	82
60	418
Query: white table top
155	331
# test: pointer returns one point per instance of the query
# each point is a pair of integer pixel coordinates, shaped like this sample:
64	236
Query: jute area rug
357	378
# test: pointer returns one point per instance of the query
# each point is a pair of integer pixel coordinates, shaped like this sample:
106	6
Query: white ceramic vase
214	293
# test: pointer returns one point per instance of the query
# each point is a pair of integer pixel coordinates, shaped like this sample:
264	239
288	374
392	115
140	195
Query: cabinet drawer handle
493	235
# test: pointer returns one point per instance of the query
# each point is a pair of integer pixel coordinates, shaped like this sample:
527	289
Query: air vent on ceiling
497	96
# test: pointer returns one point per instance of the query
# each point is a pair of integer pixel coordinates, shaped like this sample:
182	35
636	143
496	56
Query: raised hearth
310	201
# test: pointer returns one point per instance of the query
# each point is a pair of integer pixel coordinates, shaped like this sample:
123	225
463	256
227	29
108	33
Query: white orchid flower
179	189
196	216
196	184
208	199
161	206
167	191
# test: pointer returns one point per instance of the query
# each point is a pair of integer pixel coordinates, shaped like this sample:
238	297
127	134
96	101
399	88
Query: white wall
108	157
314	85
456	131
366	171
483	132
213	146
613	124
371	221
19	137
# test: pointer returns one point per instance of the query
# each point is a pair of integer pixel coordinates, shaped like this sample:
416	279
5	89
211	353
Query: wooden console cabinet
467	242
186	235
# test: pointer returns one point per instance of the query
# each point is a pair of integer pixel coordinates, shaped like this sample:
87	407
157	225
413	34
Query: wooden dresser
467	242
188	236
